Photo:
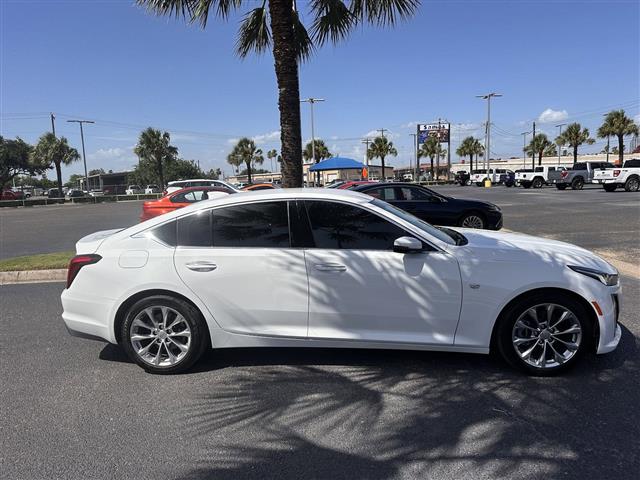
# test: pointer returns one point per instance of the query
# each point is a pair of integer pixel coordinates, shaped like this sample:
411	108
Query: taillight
77	263
616	173
564	173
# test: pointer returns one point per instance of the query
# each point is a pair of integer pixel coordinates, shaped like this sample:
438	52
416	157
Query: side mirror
407	245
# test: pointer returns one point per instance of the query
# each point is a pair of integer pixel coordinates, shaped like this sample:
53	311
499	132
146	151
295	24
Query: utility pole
84	156
487	152
311	101
524	148
559	135
607	148
53	124
415	156
382	130
366	142
533	153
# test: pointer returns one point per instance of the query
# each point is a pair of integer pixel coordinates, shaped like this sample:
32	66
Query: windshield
416	222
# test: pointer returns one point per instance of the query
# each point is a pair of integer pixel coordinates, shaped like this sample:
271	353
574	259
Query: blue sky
111	62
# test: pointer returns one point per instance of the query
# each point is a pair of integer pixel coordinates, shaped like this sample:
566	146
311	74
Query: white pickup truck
536	177
627	176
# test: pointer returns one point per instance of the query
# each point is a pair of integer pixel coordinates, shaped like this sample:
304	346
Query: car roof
193	180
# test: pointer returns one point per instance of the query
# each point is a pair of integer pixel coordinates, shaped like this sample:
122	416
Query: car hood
521	248
468	203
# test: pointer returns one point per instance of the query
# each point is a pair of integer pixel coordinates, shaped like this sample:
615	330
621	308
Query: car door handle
331	267
202	266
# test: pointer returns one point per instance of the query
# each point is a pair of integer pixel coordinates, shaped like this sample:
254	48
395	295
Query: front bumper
609	329
494	221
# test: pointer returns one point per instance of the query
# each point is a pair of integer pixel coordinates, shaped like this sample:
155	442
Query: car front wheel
577	184
163	334
472	220
544	334
632	184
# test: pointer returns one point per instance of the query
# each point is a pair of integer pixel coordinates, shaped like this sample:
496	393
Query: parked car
11	195
179	199
535	177
55	193
259	186
350	185
576	176
76	193
198	182
435	208
628	176
508	178
133	190
479	176
152	189
462	178
96	192
334	268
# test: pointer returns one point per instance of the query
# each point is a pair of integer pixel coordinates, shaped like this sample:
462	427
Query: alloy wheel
472	221
160	336
547	335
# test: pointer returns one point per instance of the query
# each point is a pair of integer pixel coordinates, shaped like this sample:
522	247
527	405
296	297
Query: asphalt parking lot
73	408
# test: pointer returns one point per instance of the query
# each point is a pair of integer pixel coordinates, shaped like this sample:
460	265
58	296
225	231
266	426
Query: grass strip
44	261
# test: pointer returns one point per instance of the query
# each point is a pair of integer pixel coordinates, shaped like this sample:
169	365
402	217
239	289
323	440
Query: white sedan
334	268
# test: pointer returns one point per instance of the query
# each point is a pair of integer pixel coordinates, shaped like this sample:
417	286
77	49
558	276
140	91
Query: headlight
608	279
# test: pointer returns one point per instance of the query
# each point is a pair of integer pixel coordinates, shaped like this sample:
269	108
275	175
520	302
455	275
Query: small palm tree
537	146
271	154
277	24
617	124
321	151
432	149
155	147
51	150
574	136
470	146
381	148
245	151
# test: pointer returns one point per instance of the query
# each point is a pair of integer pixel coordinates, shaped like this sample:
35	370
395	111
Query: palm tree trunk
286	66
384	178
470	163
432	177
540	157
575	154
160	172
620	150
248	172
59	176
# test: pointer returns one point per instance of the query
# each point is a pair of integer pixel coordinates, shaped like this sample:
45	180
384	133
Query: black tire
609	187
505	328
478	184
526	184
537	182
577	183
632	184
199	339
561	186
475	217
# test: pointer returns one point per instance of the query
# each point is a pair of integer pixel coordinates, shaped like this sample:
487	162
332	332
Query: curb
33	276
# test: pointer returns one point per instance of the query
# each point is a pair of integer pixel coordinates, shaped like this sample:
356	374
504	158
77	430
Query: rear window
167	233
539	169
263	224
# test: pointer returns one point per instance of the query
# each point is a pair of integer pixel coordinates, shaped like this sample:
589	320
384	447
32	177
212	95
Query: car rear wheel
577	184
609	187
632	184
537	183
472	220
561	186
544	334
163	334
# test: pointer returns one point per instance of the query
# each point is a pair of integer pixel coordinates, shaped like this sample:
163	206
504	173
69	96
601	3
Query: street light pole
366	142
559	135
84	156
524	147
311	101
415	153
487	157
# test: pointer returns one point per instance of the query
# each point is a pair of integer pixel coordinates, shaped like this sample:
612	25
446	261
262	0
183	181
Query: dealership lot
78	409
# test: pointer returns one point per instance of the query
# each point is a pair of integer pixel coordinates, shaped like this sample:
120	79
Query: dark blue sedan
435	208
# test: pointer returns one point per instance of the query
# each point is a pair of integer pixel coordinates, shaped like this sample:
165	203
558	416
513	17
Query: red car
352	184
178	199
11	195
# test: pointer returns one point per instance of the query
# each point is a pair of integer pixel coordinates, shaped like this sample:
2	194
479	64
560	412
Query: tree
551	150
537	146
271	154
51	150
470	146
574	136
321	151
214	174
381	148
276	24
16	159
155	147
431	148
617	124
245	151
97	171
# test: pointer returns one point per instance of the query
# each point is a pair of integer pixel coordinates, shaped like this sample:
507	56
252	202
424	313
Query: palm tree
470	146
271	154
574	136
431	148
276	24
381	148
551	150
245	151
321	151
537	146
51	150
617	123
155	147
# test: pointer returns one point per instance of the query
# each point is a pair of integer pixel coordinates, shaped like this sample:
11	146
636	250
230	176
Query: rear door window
264	224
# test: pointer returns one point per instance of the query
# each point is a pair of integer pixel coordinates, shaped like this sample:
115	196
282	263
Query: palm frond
303	43
333	20
254	34
194	11
383	12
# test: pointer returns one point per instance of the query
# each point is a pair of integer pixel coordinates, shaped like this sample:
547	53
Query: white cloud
112	155
550	115
637	119
259	139
376	133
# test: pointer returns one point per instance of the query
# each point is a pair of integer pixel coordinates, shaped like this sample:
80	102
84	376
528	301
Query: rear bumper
88	317
602	181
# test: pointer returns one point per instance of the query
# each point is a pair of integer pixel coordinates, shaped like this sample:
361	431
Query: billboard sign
437	130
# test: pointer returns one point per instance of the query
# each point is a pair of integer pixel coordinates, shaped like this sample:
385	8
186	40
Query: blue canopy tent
337	163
